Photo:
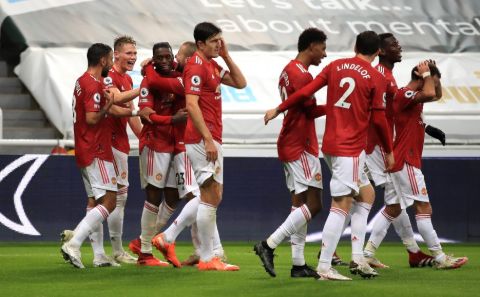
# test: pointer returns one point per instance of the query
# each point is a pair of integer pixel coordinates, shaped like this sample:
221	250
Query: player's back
354	88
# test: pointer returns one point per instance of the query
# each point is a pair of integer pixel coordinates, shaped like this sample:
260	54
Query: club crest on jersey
318	177
424	191
96	98
114	180
196	80
158	177
144	92
217	170
107	81
124	175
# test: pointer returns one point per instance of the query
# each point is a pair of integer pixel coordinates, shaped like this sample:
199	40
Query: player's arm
436	133
234	78
380	123
299	96
317	111
126	96
135	123
197	118
427	93
164	84
93	117
149	114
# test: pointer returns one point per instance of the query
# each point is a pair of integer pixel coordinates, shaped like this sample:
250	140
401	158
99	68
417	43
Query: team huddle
374	133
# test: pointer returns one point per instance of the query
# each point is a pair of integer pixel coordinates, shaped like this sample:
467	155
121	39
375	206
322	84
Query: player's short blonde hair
121	40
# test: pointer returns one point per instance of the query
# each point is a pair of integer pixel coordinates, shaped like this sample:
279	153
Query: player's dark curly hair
383	37
97	51
308	36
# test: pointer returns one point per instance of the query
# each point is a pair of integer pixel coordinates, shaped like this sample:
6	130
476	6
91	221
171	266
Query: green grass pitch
37	269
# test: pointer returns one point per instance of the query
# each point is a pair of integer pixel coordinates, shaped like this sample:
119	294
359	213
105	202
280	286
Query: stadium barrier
41	195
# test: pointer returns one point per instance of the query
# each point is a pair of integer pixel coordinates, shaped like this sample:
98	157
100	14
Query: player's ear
116	55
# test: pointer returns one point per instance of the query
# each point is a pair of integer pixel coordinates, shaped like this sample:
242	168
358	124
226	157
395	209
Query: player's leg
153	173
382	223
101	177
414	192
209	176
115	220
305	173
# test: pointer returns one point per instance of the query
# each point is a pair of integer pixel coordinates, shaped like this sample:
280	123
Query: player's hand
435	133
143	64
110	92
223	49
422	67
180	117
270	115
389	162
109	100
145	113
211	151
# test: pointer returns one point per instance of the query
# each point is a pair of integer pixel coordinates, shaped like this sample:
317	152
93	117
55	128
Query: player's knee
423	207
393	210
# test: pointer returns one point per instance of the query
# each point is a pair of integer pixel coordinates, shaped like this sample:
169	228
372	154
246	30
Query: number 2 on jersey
351	86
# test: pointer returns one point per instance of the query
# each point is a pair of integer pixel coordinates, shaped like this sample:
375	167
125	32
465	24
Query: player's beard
105	71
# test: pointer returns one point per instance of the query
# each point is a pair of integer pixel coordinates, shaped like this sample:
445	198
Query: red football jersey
409	130
118	126
298	132
157	137
203	78
175	86
91	141
354	89
373	138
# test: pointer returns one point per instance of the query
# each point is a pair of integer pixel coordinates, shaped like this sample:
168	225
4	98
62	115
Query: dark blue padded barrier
255	202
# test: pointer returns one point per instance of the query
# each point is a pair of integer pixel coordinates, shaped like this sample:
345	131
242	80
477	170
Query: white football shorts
409	183
155	169
303	173
98	178
201	167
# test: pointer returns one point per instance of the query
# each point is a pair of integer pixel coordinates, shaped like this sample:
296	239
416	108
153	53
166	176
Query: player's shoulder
406	92
194	60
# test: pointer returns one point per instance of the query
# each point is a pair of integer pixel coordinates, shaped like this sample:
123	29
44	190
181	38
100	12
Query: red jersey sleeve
146	97
222	72
307	91
93	98
379	92
194	79
164	84
160	120
404	99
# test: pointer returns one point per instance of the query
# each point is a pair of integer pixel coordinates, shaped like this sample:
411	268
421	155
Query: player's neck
95	71
203	56
386	63
119	69
368	59
304	59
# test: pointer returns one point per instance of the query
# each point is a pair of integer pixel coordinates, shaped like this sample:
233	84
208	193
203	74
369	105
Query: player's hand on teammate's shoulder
143	64
180	116
111	93
270	115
